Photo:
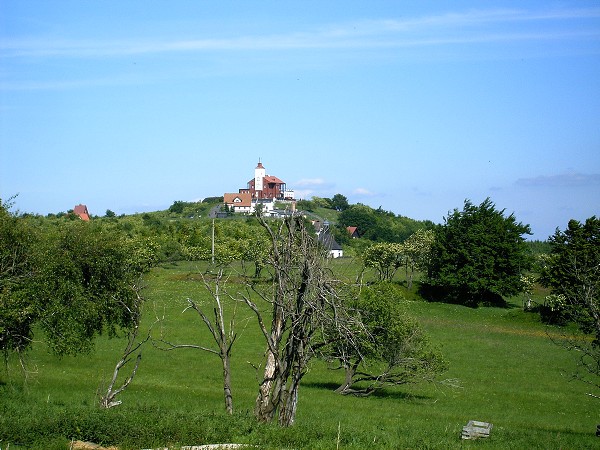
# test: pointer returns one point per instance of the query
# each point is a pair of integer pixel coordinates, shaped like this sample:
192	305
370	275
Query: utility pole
213	243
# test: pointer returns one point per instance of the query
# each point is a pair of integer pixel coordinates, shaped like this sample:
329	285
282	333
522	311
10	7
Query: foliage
528	282
394	351
17	308
478	256
360	216
189	209
86	283
213	200
385	258
74	279
339	202
538	247
177	207
379	225
416	252
305	205
572	271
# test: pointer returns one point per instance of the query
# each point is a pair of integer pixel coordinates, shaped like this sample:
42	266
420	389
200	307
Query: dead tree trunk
222	338
227	384
108	399
304	302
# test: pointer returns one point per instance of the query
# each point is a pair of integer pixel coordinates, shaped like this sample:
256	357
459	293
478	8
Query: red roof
272	179
82	212
239	199
353	231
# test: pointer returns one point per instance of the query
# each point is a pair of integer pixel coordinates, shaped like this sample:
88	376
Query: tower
259	174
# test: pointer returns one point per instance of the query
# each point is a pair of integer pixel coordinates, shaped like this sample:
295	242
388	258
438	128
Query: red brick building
264	186
264	189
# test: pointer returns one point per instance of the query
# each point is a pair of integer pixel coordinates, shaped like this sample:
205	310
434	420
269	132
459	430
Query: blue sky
411	106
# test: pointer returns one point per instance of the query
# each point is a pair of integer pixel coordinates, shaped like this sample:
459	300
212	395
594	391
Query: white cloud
303	194
445	29
363	192
310	187
567	179
310	182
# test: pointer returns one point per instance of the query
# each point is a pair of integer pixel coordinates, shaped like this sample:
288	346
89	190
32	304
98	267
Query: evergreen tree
572	271
478	256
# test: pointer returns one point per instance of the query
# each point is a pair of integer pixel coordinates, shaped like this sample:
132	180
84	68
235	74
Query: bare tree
305	307
135	311
223	338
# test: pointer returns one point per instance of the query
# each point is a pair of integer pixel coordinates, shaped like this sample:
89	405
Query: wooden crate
476	430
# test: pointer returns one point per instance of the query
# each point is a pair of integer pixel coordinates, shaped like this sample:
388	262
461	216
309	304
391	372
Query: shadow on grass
381	393
442	294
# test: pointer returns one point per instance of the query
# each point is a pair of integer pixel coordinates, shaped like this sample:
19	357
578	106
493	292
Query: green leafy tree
256	251
339	202
177	207
17	269
416	251
360	216
385	258
393	351
379	225
572	271
73	279
85	285
478	256
305	205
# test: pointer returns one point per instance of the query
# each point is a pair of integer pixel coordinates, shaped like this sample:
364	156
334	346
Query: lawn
507	369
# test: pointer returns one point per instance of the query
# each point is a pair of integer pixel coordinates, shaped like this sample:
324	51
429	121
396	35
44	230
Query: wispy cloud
474	26
303	194
310	187
362	192
567	179
306	182
418	191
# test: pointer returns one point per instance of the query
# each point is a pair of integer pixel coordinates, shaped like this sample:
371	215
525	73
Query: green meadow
504	368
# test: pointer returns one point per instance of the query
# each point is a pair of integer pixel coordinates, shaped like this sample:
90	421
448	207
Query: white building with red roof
264	189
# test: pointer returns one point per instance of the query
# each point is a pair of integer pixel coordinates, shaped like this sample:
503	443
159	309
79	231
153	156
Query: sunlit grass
509	372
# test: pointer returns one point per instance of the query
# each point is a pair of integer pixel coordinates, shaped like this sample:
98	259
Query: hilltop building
263	189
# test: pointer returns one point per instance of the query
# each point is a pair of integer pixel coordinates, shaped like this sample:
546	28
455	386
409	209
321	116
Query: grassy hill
509	373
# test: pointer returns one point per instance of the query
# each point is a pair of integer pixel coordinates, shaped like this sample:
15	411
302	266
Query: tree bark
266	401
349	372
227	385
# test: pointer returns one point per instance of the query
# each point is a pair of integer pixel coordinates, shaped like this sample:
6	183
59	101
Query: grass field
509	371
